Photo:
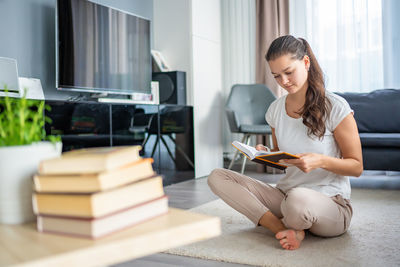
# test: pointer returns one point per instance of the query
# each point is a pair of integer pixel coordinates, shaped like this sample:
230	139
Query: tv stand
98	95
122	101
120	122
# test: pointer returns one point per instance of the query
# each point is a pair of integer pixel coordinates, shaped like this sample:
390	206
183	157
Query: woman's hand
262	147
306	161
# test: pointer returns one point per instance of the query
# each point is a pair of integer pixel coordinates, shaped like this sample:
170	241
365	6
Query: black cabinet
165	132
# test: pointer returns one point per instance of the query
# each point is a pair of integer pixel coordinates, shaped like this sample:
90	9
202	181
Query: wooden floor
192	193
184	195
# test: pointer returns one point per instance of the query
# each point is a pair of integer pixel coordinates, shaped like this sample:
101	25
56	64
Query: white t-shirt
292	137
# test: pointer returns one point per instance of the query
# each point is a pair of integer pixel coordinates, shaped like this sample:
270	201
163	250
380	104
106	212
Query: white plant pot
17	166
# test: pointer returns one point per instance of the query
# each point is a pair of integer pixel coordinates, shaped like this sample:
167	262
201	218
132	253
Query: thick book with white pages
105	225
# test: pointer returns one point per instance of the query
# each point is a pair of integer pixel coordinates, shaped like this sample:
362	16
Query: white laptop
9	77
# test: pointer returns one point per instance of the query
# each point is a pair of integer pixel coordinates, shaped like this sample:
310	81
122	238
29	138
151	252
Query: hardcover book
98	204
264	157
101	226
94	182
90	160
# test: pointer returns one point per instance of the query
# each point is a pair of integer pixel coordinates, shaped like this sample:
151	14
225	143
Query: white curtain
391	42
346	37
238	53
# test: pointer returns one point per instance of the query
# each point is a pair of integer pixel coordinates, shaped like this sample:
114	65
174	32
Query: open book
264	157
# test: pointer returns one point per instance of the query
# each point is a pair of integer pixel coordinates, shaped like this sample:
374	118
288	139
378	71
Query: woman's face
290	74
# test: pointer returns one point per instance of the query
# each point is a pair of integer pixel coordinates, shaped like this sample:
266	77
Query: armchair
245	110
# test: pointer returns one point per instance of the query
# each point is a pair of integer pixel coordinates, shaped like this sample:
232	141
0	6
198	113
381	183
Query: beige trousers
299	209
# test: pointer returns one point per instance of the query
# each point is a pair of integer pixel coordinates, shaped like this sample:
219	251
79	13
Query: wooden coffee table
23	245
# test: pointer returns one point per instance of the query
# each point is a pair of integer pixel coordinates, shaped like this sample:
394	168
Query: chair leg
269	141
244	157
168	150
145	140
270	144
236	153
154	147
180	150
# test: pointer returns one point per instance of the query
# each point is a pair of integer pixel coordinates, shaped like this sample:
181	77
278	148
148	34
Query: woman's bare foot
290	239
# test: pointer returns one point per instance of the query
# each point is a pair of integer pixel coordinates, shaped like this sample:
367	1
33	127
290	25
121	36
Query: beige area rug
372	240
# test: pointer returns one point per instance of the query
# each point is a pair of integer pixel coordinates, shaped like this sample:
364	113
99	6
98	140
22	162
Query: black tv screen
101	49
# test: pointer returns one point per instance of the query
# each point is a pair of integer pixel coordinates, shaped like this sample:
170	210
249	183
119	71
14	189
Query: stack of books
94	192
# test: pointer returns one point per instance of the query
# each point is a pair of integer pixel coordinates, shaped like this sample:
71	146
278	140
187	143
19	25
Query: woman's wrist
324	161
341	166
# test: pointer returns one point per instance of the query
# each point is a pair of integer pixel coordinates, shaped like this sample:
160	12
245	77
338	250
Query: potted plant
22	147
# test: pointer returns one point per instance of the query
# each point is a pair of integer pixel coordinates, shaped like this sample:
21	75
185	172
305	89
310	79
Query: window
346	37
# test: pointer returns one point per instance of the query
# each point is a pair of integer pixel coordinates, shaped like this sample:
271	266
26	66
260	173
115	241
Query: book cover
86	183
90	160
264	157
99	227
98	204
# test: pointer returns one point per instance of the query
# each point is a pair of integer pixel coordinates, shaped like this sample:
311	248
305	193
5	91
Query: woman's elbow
359	170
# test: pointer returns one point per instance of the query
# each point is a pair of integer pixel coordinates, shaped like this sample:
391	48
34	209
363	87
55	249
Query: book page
250	151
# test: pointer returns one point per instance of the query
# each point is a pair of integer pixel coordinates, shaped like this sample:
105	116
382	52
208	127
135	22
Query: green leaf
22	121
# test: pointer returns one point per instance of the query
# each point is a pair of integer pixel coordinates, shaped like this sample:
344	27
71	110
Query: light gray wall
195	46
174	45
27	33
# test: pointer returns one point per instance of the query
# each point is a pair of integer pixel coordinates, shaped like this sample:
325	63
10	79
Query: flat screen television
101	49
